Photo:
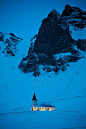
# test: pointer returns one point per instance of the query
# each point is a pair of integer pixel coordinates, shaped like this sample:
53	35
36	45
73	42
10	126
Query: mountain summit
74	16
53	38
54	13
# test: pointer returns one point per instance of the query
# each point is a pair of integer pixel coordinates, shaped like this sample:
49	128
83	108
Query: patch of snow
6	36
78	34
62	55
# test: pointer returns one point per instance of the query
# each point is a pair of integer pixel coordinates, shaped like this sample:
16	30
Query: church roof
44	104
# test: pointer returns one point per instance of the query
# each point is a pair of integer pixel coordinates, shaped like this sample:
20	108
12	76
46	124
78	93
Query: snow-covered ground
66	90
78	33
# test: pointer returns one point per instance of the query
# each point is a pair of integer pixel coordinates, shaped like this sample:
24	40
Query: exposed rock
1	37
74	16
81	44
54	38
15	36
10	42
33	37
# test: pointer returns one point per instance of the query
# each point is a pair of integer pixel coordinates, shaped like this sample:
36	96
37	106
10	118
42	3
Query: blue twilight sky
24	17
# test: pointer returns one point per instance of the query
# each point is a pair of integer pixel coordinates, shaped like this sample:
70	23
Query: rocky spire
54	13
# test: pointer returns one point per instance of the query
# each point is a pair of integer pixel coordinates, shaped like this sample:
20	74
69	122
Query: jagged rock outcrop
10	42
74	16
51	34
81	44
53	45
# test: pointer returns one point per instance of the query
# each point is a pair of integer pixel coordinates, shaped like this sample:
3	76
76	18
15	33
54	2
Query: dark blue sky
24	17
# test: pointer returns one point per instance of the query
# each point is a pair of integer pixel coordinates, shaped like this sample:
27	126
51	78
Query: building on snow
42	106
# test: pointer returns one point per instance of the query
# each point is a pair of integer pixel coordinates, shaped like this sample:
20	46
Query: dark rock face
51	34
1	37
52	39
75	16
81	44
70	10
10	42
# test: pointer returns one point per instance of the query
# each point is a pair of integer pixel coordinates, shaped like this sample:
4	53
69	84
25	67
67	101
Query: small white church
42	106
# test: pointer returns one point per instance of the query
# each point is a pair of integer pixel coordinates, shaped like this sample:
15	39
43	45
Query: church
42	106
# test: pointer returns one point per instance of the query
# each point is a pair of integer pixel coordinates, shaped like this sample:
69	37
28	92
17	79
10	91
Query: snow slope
78	33
67	91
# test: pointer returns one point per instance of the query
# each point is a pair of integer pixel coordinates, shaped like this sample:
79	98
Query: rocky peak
54	12
67	6
74	16
53	38
54	15
49	33
52	41
9	43
69	10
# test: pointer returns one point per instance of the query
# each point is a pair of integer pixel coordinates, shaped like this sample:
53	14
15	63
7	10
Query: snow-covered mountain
65	88
53	38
